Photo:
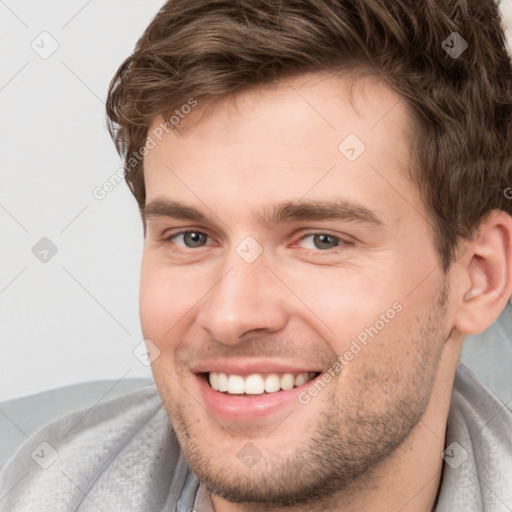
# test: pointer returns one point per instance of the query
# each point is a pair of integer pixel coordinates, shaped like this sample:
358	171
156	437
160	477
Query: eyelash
170	238
341	242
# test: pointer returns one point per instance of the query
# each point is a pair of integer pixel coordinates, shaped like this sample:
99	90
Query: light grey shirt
123	456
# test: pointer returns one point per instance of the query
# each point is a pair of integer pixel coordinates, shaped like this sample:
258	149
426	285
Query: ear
485	274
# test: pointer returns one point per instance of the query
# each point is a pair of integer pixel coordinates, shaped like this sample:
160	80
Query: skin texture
372	438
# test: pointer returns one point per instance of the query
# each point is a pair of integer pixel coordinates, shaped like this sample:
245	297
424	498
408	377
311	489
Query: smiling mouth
257	384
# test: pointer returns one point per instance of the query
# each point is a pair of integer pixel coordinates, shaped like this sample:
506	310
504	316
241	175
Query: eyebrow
320	210
173	209
287	211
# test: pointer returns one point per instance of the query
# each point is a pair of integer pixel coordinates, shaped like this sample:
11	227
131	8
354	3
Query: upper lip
251	365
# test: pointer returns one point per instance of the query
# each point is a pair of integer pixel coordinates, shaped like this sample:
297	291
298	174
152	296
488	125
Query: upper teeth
256	383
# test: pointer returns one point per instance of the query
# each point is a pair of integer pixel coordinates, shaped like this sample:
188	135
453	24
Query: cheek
365	316
166	301
341	302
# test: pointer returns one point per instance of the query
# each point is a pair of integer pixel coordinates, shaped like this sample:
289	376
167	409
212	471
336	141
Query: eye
322	241
189	239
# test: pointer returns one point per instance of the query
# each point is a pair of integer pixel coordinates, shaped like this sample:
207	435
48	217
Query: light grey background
73	317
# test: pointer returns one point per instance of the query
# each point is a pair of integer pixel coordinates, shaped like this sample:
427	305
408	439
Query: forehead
318	135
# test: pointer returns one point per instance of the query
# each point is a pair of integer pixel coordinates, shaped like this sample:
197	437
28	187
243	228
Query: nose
246	299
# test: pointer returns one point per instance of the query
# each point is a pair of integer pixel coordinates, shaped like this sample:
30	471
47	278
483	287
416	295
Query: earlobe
487	266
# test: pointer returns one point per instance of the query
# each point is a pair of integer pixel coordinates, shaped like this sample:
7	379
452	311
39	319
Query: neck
409	479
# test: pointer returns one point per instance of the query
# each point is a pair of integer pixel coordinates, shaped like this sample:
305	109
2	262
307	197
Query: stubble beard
349	443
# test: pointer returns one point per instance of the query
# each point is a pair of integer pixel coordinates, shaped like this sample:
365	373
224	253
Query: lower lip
248	407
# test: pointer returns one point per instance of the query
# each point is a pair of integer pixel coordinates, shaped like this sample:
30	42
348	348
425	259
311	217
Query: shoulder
489	356
106	453
22	417
478	450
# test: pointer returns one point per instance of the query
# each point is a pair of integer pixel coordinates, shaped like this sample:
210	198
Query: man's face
308	254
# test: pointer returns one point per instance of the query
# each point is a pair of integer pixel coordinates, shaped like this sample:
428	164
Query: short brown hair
460	104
